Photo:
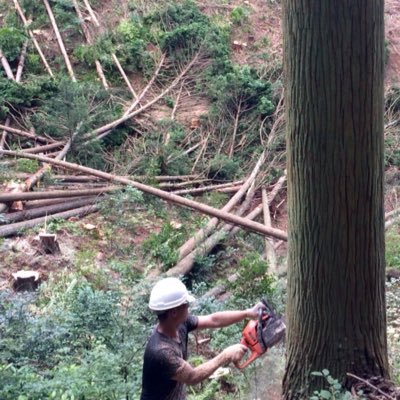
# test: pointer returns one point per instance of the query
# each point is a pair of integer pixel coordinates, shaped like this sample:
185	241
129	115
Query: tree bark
173	198
336	270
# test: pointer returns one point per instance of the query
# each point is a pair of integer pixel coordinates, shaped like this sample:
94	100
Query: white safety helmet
169	293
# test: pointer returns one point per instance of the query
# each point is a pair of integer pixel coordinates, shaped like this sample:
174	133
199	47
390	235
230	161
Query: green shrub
82	344
223	168
239	15
334	390
164	245
11	40
253	282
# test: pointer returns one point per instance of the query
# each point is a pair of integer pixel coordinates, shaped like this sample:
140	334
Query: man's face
182	312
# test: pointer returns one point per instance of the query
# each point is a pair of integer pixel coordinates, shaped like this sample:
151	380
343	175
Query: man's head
169	294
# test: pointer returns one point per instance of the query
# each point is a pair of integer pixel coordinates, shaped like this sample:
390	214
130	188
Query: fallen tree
47	210
170	197
13	229
185	265
55	194
202	233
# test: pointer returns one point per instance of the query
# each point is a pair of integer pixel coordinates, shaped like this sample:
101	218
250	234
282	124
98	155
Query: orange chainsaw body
250	339
260	335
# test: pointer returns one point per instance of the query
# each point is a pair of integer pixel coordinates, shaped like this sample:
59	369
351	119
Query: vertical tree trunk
336	292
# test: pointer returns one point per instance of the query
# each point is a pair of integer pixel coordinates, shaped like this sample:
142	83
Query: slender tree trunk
334	95
59	40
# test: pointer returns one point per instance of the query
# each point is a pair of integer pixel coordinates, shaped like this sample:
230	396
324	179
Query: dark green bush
11	40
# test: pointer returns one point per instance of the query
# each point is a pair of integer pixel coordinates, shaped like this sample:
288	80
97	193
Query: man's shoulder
191	322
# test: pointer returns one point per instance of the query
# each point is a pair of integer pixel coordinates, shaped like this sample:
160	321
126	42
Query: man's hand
252	313
235	352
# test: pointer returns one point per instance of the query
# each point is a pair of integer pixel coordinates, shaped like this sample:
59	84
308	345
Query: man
165	369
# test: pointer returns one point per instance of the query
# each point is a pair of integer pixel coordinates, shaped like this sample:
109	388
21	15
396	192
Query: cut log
49	243
47	210
13	229
170	197
26	280
56	194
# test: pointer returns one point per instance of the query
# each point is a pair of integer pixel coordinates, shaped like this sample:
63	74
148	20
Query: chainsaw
262	334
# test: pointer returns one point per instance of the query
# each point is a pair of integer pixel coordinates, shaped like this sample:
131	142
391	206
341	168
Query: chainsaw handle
252	357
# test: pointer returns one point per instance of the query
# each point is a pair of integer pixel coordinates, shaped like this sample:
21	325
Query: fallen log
42	149
32	204
6	66
36	177
59	40
175	185
257	211
32	36
210	188
21	61
170	197
26	134
55	194
47	210
185	265
199	236
13	229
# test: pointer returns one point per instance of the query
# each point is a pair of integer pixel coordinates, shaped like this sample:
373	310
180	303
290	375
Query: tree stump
25	280
49	243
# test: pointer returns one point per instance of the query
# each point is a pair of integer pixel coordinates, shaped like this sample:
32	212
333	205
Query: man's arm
192	376
226	318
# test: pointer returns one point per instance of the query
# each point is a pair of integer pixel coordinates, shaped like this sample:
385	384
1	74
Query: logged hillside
177	108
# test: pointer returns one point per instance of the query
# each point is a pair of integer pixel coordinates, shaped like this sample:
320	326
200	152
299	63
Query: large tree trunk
336	292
